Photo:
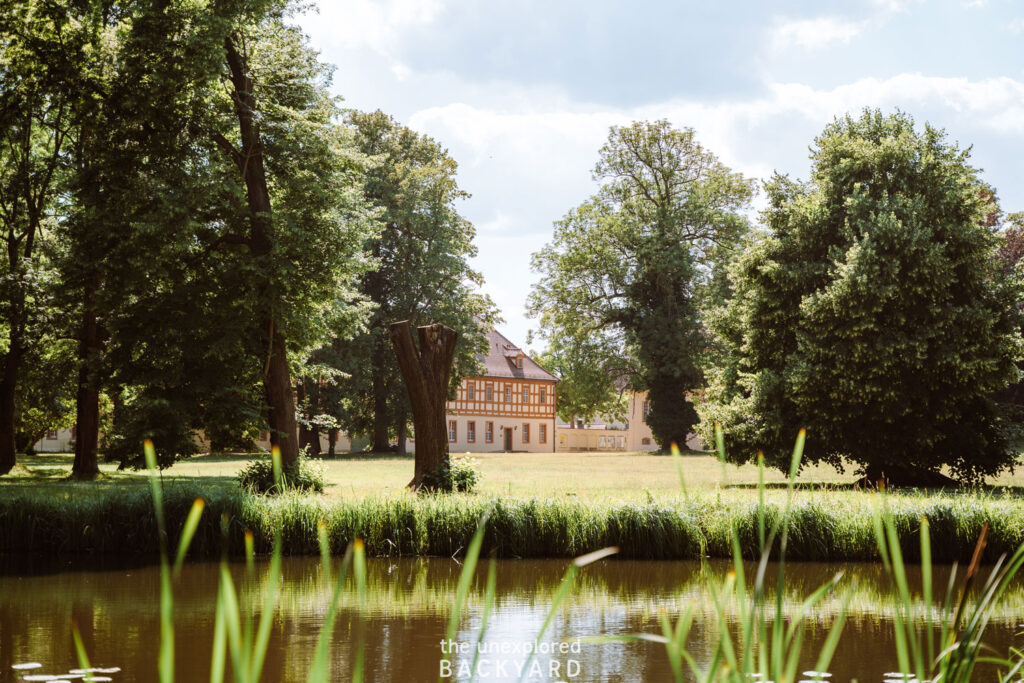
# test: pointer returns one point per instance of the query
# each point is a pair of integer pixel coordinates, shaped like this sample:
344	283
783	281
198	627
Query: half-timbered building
510	407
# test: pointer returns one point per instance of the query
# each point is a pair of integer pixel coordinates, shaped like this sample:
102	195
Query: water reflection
403	623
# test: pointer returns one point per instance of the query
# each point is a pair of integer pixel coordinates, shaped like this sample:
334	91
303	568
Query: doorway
508	438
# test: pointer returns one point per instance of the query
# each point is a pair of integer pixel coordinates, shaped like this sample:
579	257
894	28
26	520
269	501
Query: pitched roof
500	360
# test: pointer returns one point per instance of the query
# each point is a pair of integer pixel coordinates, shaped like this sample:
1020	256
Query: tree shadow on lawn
215	458
1005	490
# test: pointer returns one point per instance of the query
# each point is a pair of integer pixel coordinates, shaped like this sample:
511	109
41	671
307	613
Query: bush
304	475
460	474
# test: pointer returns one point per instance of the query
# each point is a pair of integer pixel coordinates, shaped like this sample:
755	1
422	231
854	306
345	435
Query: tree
35	113
427	371
587	374
631	262
871	313
420	273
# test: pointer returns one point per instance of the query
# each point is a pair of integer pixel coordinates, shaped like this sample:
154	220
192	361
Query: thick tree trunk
249	160
381	423
281	411
8	391
426	374
87	398
672	417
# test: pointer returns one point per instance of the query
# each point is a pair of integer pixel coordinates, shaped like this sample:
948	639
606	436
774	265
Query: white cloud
528	160
374	24
1016	26
814	34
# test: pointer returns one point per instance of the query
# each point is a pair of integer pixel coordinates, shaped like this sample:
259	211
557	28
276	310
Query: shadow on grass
1011	490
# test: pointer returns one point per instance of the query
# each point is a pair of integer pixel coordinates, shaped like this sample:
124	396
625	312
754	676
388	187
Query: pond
403	623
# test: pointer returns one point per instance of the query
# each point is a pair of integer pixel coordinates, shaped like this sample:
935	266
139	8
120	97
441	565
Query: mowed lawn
588	476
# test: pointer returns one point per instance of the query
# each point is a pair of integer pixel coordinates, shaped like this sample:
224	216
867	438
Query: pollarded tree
872	313
631	262
421	273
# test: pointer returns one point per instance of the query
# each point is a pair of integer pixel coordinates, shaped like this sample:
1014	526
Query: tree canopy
872	312
632	262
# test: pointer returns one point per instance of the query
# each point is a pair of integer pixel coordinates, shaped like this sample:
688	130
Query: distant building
631	435
510	407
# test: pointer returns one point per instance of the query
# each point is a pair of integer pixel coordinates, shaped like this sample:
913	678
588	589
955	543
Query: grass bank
829	525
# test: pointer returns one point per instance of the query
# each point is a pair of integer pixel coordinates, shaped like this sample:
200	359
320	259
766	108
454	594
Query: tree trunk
426	374
281	403
8	387
249	161
302	398
313	401
87	398
402	429
381	442
332	440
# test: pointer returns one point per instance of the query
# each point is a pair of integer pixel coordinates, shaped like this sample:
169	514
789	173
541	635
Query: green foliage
871	312
630	262
420	272
304	475
459	474
587	369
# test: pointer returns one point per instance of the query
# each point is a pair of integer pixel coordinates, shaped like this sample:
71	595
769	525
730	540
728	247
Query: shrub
460	474
304	475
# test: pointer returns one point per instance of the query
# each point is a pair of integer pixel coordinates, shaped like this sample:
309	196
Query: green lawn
590	476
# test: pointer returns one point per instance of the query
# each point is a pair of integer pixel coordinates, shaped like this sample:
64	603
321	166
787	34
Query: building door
508	438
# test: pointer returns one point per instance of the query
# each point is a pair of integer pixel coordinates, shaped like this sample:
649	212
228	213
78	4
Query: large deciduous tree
420	273
35	115
632	262
872	313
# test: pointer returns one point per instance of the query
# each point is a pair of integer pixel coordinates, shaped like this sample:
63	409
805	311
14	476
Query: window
490	392
519	362
489	432
471	392
542	436
264	436
471	432
51	435
645	441
526	394
647	408
453	430
526	433
543	396
508	394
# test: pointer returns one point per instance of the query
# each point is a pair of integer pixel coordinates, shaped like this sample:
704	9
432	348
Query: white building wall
462	444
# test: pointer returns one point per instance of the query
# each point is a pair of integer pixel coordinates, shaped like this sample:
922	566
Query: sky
522	92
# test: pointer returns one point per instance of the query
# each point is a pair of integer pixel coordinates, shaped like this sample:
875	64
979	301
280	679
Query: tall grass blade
165	658
359	570
187	533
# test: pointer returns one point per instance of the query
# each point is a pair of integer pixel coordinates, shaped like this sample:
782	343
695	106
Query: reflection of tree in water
405	618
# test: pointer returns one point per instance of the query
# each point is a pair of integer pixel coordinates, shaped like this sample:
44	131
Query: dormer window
519	362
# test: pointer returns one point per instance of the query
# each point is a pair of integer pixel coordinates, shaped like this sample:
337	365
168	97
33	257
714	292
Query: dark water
403	621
